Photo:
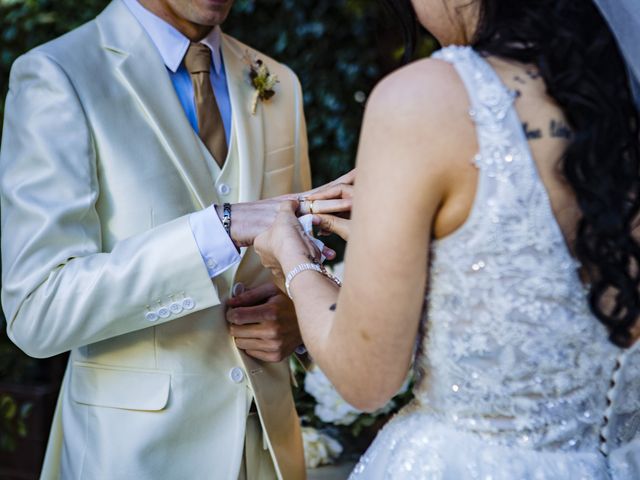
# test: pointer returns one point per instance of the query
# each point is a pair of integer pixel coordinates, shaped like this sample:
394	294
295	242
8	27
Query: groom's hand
250	219
264	324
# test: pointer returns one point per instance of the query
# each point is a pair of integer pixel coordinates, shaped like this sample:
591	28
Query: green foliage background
339	48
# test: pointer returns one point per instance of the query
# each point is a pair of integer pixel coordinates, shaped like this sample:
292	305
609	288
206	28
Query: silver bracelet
303	267
226	219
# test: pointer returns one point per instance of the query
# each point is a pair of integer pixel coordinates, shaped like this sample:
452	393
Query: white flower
331	408
319	448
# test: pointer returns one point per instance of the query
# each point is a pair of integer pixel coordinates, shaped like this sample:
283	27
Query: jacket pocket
116	387
278	182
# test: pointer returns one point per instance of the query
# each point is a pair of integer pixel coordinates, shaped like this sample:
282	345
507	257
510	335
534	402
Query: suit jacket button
176	308
151	317
236	375
188	303
164	312
224	189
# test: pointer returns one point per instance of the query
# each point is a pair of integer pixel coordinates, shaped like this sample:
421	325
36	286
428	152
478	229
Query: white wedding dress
518	378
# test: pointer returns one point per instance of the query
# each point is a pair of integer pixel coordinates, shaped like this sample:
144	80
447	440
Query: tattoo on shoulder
533	74
530	73
559	129
333	307
531	134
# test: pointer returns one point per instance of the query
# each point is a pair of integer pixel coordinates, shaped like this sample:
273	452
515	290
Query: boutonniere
261	79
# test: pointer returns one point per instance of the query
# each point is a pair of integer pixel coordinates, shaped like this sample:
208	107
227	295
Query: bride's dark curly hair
585	73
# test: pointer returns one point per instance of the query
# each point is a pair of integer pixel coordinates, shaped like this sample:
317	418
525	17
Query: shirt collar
172	44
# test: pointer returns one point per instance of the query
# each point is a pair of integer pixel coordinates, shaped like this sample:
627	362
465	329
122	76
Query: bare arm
363	336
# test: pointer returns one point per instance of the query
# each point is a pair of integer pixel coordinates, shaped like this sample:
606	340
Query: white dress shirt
217	250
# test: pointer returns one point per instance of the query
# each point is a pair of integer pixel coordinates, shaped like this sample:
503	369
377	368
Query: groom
115	134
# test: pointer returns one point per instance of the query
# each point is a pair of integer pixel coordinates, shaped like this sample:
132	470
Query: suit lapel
249	128
144	74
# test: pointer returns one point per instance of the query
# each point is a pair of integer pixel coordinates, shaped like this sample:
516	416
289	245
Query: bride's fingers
331	223
325	206
329	253
314	252
341	190
339	205
349	178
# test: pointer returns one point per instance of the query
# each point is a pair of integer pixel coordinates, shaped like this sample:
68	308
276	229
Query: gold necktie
210	126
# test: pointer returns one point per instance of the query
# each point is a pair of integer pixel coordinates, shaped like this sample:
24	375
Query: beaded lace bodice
512	350
517	379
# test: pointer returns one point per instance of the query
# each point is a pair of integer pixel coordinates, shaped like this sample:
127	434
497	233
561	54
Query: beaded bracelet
303	267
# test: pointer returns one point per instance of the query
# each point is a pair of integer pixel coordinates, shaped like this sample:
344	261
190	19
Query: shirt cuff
218	251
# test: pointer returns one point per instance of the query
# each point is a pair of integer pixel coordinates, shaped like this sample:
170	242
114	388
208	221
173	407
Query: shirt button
224	189
151	317
211	263
164	312
188	303
238	289
175	307
236	375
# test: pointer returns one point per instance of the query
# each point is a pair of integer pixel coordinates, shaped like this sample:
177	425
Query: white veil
623	17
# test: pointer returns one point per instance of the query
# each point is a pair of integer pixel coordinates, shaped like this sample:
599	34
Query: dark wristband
226	218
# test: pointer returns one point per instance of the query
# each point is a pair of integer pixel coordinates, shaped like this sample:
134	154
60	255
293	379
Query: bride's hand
334	190
285	245
321	192
333	224
334	197
332	221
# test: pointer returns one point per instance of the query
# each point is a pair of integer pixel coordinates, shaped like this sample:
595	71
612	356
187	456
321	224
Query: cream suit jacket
99	169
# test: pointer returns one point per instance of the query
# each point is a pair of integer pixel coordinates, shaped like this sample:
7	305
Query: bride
501	177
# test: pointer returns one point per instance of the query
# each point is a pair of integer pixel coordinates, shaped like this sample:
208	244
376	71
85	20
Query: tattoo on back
530	73
519	79
533	74
559	129
530	133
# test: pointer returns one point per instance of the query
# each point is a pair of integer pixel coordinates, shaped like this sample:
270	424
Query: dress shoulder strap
510	195
491	103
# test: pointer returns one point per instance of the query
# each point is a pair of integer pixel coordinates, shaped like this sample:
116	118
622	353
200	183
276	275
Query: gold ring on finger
311	206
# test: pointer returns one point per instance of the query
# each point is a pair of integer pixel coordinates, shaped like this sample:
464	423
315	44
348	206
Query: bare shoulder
430	88
424	106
